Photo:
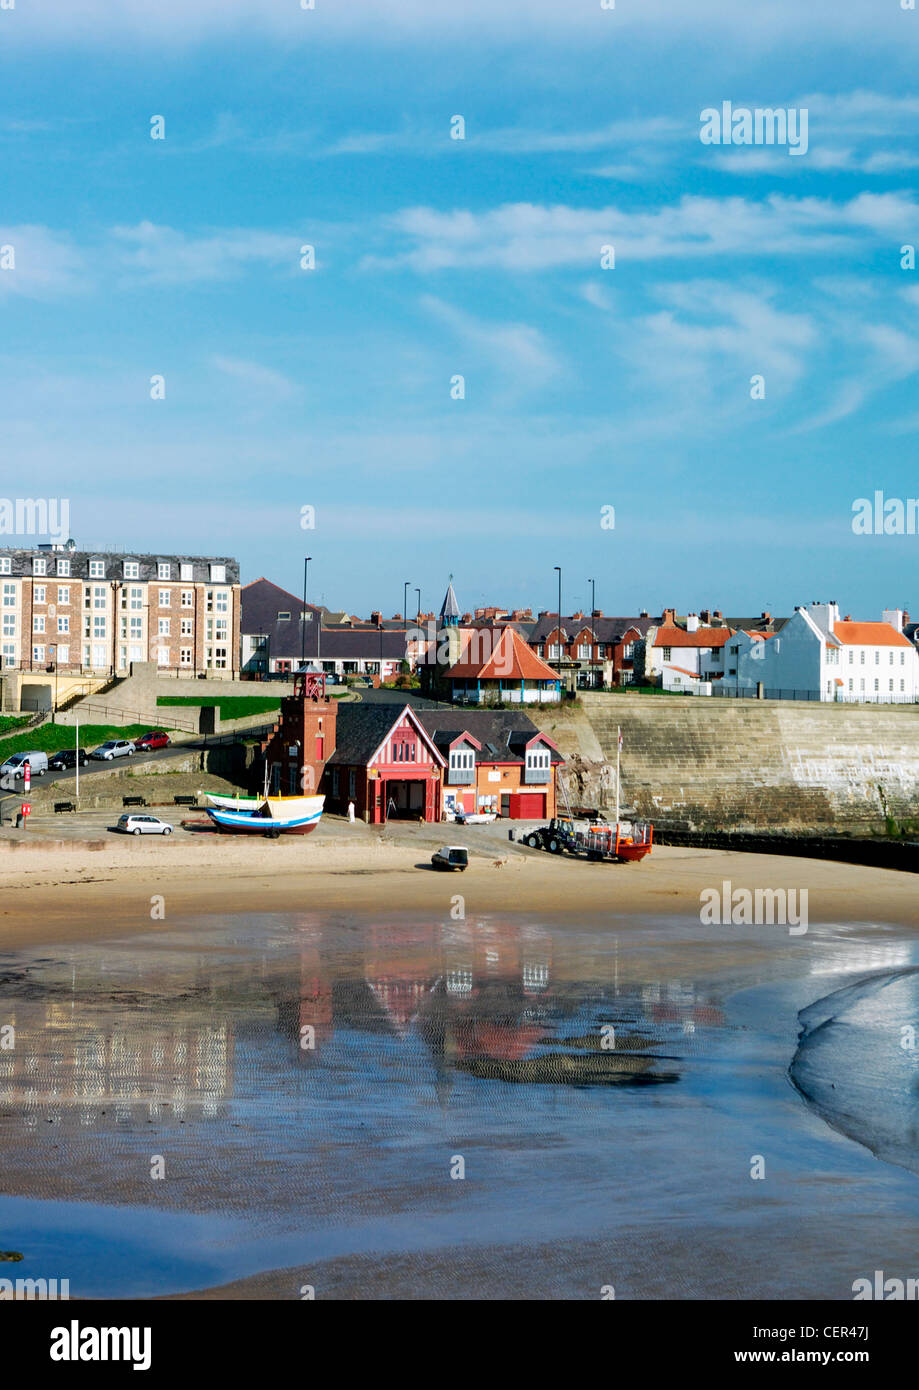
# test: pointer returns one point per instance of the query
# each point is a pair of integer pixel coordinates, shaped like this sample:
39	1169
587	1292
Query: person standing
351	812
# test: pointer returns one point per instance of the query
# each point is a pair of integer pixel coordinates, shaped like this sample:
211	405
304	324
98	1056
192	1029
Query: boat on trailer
266	815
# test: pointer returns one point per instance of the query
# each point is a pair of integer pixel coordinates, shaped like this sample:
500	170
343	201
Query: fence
90	712
733	692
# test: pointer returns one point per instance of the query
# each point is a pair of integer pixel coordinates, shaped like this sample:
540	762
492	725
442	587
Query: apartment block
94	613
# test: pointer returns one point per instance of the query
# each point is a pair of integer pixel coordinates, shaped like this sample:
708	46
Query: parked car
451	857
113	748
156	738
15	764
143	825
67	757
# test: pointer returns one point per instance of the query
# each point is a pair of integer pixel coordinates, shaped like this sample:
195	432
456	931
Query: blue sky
584	387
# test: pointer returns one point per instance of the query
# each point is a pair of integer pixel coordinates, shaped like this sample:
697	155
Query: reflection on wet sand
313	1077
123	1034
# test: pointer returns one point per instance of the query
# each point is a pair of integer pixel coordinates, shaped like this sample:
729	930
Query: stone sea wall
692	763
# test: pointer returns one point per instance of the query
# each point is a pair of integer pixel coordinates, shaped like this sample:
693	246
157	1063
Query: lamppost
53	648
306	570
593	609
559	570
405	601
418	610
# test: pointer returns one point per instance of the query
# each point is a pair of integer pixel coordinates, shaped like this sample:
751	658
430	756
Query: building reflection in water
146	1036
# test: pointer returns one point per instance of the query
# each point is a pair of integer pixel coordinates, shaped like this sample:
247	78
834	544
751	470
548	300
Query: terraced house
91	614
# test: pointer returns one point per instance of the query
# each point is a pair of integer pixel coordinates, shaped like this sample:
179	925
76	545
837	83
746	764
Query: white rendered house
820	656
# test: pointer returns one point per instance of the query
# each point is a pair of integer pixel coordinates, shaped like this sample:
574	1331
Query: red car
156	738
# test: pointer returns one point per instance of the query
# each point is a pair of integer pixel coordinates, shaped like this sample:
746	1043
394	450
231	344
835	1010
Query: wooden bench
64	806
133	801
185	801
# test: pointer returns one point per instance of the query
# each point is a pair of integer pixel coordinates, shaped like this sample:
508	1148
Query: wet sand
355	931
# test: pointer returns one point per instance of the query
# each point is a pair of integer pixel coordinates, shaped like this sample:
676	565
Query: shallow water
858	1063
309	1084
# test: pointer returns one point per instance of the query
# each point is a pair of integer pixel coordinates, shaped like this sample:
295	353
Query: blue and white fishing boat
266	815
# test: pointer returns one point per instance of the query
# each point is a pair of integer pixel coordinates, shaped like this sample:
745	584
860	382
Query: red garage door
527	805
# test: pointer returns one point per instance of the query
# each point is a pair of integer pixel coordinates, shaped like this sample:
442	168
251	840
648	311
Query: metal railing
114	714
728	692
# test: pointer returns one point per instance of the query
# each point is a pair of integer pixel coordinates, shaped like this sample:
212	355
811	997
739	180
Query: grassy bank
50	738
9	723
229	706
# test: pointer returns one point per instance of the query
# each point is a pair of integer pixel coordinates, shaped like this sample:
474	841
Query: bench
185	801
64	806
133	801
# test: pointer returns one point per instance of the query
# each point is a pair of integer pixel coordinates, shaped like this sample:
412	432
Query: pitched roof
604	629
503	734
509	659
261	602
450	608
361	728
702	637
870	635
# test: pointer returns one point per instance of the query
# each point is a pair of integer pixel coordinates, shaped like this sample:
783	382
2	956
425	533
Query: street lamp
306	570
593	609
53	648
405	601
558	568
418	610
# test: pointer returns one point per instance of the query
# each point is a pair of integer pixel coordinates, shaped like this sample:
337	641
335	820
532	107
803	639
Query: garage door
527	805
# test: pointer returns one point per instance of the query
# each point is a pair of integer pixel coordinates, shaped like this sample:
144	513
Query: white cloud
515	350
165	256
263	381
42	263
176	22
535	237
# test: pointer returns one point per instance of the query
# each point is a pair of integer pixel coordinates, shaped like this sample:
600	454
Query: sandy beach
58	890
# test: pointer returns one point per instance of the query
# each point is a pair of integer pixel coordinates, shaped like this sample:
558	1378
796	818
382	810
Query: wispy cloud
528	237
41	263
151	254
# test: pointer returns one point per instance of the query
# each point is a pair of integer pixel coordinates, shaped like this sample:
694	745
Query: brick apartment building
93	613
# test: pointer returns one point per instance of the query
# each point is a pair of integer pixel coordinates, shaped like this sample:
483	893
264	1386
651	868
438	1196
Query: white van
15	765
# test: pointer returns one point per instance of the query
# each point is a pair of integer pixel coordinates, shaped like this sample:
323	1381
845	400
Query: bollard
512	834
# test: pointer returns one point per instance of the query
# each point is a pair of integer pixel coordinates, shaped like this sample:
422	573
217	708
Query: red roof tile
702	637
870	635
510	659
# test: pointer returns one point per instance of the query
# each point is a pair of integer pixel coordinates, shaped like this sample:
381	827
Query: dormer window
63	569
97	569
131	569
538	765
39	566
462	766
164	570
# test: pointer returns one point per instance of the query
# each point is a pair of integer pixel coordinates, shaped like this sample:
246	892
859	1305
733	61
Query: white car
114	748
143	825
